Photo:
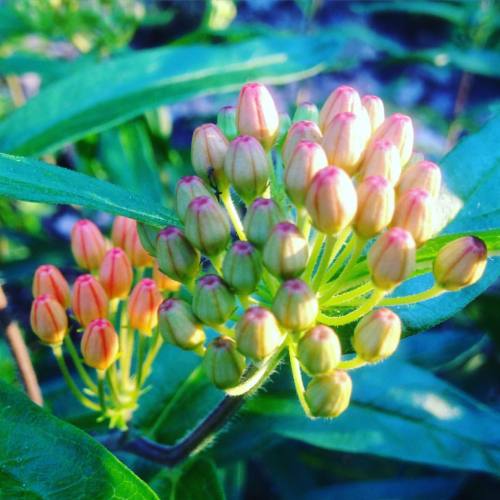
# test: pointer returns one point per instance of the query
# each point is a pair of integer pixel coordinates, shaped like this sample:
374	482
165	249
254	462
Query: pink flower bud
424	175
48	320
460	263
307	160
414	212
208	149
398	129
143	306
382	158
99	344
207	226
49	280
345	140
258	334
247	167
319	350
342	99
87	244
188	188
164	282
257	115
286	251
331	200
115	274
262	215
300	131
375	206
89	300
391	259
375	108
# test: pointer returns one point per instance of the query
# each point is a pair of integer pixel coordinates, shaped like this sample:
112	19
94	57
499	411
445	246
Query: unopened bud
460	263
178	324
295	305
49	280
242	267
382	158
377	335
206	226
262	215
226	121
257	115
247	167
89	300
134	249
342	99
223	364
306	111
375	206
331	200
414	212
307	160
344	141
99	344
143	306
423	175
48	320
285	123
258	334
319	350
208	149
398	129
87	244
188	188
300	131
375	108
391	259
213	302
122	226
177	258
286	251
329	395
147	237
115	274
164	282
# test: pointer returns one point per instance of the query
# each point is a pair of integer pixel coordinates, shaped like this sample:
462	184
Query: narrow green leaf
44	457
32	180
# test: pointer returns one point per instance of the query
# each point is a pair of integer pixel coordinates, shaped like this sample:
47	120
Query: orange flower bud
49	280
247	167
300	131
342	99
124	235
377	335
307	159
48	320
143	306
164	282
375	108
382	158
262	215
99	344
398	129
375	206
286	251
87	244
329	395
121	227
115	274
424	175
208	149
391	259
207	226
331	200
188	188
414	212
256	114
460	263
89	300
345	140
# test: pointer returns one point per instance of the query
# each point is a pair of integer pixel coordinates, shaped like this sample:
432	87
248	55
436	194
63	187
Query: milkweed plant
289	230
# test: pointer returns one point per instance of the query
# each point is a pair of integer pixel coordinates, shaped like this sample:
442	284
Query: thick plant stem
297	380
87	380
233	214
